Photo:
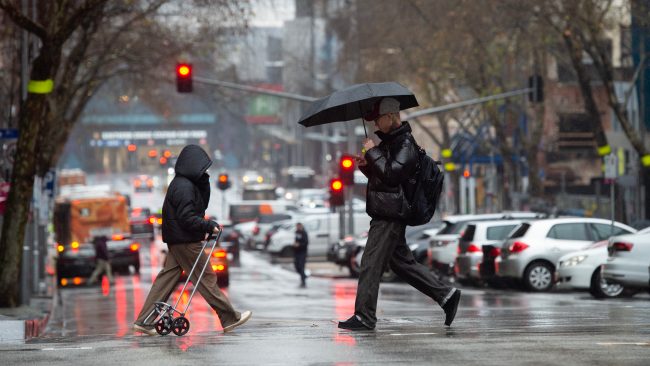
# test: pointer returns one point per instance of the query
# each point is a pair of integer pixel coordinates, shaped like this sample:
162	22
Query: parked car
470	246
444	246
628	262
581	270
252	232
322	230
251	210
142	223
417	238
531	252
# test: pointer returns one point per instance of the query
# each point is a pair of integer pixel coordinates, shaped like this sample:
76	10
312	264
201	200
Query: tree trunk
33	114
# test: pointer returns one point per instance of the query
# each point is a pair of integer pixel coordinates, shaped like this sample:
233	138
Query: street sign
8	133
611	166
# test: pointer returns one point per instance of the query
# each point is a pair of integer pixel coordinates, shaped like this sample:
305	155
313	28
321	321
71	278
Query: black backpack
426	190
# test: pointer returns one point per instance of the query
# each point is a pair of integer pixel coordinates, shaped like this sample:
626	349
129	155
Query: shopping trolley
165	322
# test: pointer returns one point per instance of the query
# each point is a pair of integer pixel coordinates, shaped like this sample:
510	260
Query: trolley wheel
164	325
181	326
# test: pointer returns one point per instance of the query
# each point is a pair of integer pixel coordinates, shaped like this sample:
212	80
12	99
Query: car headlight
573	261
413	246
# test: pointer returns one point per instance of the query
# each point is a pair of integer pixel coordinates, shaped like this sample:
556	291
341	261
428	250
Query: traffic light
346	169
336	193
536	83
184	78
223	182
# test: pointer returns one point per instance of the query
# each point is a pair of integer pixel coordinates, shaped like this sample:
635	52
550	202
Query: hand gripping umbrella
355	102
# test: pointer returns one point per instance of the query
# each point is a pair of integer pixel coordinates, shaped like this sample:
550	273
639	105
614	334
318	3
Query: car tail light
152	220
622	246
137	183
60	248
473	248
76	281
149	183
118	237
495	252
218	267
64	282
135	247
518	247
160	221
219	254
74	245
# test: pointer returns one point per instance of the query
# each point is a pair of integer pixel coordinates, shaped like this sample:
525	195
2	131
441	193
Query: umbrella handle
362	121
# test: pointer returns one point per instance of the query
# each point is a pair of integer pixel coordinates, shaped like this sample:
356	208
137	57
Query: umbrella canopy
354	102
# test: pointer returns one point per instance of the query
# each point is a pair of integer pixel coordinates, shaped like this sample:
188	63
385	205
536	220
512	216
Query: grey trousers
181	257
387	244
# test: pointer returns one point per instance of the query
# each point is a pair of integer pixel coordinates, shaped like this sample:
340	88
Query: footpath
27	321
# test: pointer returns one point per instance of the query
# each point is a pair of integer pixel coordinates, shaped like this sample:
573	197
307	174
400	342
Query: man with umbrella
390	168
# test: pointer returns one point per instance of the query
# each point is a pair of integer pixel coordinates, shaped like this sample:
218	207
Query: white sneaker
244	318
148	331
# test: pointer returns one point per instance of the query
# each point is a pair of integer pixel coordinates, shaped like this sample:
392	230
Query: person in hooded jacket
391	168
183	229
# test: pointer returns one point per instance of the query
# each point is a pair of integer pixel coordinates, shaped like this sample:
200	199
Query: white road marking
623	344
65	348
408	334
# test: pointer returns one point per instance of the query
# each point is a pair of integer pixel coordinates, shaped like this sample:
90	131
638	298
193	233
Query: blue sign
8	133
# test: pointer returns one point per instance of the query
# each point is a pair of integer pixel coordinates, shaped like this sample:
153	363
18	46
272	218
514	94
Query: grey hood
192	162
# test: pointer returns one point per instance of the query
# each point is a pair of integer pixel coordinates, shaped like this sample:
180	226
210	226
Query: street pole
349	194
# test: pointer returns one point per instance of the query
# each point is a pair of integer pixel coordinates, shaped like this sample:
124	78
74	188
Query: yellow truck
82	213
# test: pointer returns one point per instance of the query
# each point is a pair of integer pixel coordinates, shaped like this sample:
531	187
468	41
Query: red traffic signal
346	169
184	78
223	182
336	192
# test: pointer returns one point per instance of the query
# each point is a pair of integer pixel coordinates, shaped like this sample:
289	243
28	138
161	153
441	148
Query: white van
322	229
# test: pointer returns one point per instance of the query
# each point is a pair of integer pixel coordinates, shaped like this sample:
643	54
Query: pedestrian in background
183	229
102	264
389	168
300	253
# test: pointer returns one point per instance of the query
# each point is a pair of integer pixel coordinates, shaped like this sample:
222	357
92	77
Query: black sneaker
450	307
354	324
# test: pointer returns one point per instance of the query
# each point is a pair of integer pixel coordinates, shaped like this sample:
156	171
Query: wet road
293	326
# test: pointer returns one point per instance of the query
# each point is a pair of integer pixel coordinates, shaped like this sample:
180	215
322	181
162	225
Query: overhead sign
147	135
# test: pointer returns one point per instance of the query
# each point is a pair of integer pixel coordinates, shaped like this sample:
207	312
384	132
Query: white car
533	249
628	262
444	246
322	230
581	271
470	246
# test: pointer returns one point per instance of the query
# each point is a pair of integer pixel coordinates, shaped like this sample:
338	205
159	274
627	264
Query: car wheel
223	281
286	252
601	289
538	277
389	275
354	264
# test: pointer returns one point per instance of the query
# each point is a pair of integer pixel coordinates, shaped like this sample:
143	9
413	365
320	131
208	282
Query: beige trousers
181	257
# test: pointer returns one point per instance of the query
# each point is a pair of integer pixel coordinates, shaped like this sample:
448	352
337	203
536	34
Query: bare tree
82	45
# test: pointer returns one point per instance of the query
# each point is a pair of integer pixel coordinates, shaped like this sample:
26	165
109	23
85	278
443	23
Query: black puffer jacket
391	169
187	198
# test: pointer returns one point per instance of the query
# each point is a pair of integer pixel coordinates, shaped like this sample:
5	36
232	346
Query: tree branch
22	21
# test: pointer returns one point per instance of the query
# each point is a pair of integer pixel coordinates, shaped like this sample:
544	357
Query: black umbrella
354	102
